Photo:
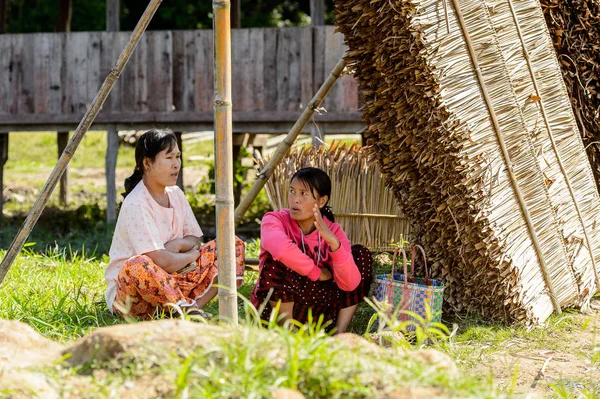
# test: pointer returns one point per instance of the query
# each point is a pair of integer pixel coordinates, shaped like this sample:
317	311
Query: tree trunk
317	12
236	14
112	16
65	10
3	16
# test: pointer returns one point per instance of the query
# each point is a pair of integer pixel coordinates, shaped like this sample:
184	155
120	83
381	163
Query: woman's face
165	168
301	200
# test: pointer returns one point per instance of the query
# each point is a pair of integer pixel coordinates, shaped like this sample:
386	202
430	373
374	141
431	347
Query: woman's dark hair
317	180
148	145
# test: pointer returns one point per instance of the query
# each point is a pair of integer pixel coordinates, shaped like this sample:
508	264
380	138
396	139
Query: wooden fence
48	79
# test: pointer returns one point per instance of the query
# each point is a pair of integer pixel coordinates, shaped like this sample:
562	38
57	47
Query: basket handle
412	259
405	261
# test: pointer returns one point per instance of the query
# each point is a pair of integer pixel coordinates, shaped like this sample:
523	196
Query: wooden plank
271	38
347	84
130	78
112	149
13	74
106	38
239	127
257	48
270	116
241	69
75	70
121	86
113	15
141	89
283	70
18	79
160	72
317	12
306	67
41	73
188	77
93	67
319	73
331	58
178	70
204	87
80	53
294	97
56	85
5	72
26	102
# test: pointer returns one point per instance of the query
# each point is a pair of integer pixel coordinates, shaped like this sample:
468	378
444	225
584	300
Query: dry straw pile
361	203
575	29
468	115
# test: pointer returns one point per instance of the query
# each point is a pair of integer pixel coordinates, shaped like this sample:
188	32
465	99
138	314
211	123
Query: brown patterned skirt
143	287
320	297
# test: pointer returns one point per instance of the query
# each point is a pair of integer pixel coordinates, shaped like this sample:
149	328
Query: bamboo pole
224	161
286	144
82	129
507	160
554	146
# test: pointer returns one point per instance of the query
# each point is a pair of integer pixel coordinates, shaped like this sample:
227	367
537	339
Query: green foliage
89	15
40	15
253	248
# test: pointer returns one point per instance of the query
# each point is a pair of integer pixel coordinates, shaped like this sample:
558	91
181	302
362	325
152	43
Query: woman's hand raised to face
324	230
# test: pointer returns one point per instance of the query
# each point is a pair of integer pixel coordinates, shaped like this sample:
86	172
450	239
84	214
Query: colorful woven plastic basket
413	294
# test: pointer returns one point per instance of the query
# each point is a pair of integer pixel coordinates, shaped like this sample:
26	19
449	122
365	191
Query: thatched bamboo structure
224	161
84	125
361	202
469	117
574	26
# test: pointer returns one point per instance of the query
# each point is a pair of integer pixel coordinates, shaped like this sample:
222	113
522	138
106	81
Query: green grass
32	152
61	295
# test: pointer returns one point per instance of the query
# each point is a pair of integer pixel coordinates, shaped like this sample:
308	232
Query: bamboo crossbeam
289	140
224	161
507	159
369	215
80	132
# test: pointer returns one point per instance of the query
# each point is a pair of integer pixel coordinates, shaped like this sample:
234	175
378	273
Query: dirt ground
567	357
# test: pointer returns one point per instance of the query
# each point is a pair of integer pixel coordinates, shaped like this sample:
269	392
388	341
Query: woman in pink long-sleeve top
306	258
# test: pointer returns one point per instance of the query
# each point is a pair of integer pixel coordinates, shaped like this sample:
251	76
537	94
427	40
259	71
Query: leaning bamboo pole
286	144
84	125
224	161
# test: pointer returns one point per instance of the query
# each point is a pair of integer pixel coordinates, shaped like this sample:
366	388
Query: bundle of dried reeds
362	204
575	29
469	117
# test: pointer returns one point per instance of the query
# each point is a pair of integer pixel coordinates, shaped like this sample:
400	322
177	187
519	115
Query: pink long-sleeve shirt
281	237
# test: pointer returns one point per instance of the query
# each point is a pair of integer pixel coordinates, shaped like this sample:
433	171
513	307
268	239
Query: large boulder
21	346
22	384
135	341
